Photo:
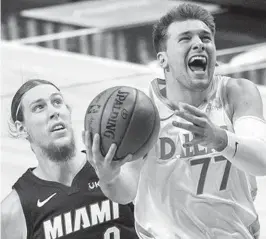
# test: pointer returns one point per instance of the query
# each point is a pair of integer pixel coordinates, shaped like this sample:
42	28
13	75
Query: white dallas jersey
194	192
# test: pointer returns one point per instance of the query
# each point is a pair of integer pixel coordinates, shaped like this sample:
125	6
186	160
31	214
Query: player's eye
206	38
57	102
38	108
185	38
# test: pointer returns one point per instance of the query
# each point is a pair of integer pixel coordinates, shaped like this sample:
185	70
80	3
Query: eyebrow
189	32
40	100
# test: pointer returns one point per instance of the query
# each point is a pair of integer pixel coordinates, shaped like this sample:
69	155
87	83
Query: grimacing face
191	54
47	119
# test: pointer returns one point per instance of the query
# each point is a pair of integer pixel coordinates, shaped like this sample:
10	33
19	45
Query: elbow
126	199
255	159
259	173
120	199
124	202
262	169
261	166
253	168
258	169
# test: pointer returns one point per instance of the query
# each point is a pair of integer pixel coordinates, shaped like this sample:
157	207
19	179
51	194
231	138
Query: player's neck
61	172
175	93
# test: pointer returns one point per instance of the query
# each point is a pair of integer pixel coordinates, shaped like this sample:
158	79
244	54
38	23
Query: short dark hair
16	107
182	12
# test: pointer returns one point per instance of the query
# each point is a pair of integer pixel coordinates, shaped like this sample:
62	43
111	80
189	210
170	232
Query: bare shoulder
239	86
11	206
244	98
12	217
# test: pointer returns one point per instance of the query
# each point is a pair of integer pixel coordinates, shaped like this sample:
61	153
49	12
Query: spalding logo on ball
125	116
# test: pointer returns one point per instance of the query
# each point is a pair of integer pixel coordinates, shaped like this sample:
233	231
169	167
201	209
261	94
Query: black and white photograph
133	119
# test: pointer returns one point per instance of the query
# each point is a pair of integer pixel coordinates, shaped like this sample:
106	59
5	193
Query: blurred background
124	26
122	29
86	46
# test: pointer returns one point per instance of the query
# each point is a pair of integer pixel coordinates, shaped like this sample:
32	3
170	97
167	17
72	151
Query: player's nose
197	44
54	115
198	47
53	112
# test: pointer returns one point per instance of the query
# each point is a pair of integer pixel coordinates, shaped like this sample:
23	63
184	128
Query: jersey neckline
159	89
73	188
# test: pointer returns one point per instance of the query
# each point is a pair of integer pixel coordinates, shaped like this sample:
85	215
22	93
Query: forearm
246	148
247	154
123	188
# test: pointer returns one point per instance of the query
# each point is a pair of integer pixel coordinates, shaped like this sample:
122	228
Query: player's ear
83	136
69	108
21	130
162	59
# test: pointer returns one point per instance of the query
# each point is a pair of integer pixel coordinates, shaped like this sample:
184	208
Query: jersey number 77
204	171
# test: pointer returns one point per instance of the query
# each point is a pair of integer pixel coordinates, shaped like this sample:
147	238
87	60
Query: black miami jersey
53	210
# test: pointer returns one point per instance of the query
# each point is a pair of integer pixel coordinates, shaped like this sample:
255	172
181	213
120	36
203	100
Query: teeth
201	58
58	127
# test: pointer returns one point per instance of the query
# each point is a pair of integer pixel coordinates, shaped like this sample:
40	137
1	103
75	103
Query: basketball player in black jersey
61	197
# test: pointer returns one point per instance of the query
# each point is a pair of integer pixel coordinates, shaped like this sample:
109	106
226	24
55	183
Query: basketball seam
133	109
149	136
152	127
100	128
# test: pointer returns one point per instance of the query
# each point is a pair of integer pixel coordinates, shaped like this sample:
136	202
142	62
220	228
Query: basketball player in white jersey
198	181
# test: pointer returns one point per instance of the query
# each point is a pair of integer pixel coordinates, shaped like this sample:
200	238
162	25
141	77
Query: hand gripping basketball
106	168
124	116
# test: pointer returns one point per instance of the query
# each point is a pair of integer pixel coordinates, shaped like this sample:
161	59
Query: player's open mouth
58	127
197	63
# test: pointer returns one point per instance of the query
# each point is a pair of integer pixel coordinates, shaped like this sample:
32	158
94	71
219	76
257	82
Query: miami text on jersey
81	218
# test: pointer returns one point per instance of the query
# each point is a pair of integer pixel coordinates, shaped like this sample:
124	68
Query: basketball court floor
81	78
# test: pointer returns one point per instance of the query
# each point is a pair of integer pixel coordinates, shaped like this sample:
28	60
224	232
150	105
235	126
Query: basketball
125	116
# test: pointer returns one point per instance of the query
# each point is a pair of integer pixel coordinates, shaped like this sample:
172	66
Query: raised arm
13	224
123	188
118	179
247	146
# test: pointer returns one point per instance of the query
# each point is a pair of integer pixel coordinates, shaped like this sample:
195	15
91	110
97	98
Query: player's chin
63	139
200	74
198	77
199	84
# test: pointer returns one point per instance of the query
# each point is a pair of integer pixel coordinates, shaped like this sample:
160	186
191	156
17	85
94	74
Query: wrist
222	140
232	145
109	180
